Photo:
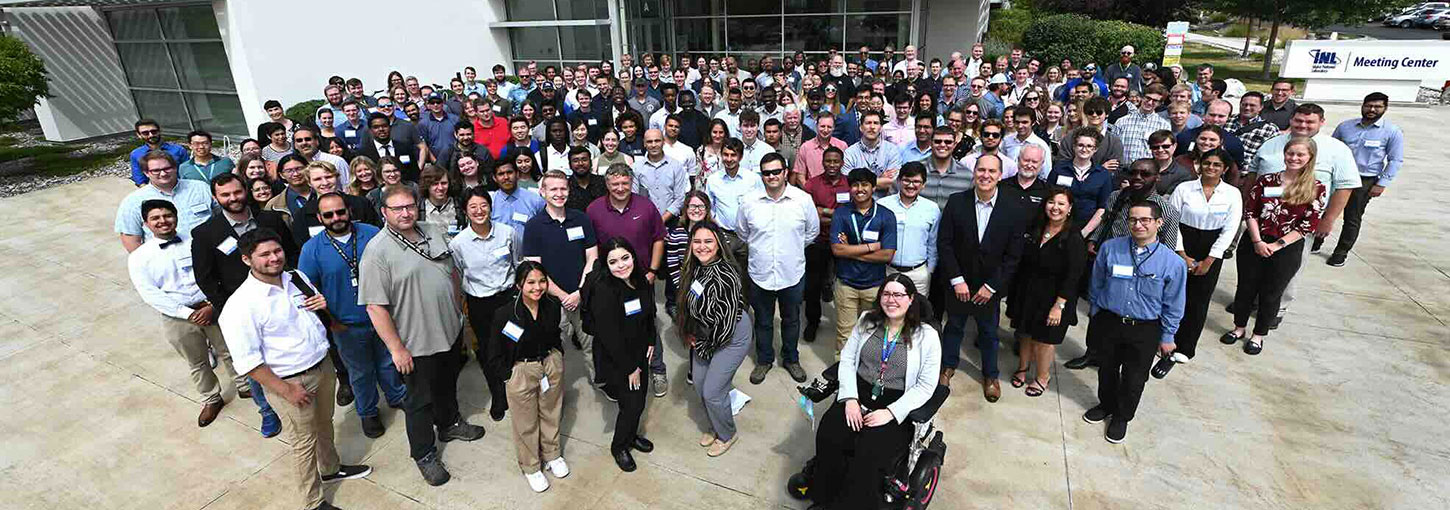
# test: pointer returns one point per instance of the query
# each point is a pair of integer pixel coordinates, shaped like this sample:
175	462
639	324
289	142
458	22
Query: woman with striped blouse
716	329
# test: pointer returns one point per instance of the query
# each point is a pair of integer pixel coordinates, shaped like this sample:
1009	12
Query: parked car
1404	19
1442	24
1428	18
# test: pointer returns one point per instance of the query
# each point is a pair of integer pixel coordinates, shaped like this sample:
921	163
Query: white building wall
279	49
86	79
952	25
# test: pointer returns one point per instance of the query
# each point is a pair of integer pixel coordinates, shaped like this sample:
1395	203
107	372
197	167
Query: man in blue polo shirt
331	260
563	240
863	240
149	131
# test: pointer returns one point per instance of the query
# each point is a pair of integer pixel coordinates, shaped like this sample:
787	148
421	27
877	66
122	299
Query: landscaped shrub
1087	40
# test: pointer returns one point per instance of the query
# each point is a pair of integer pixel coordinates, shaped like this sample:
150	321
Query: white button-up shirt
558	160
487	263
682	153
266	324
984	211
777	231
163	277
1222	212
750	158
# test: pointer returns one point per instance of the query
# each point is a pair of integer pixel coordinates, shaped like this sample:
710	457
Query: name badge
513	331
354	282
1064	180
575	233
697	288
501	252
201	209
497	108
1218	209
454	229
593	122
870	235
1122	271
314	230
183	263
227	246
632	307
1374	143
520	217
405	159
544	384
843	197
1273	191
349	133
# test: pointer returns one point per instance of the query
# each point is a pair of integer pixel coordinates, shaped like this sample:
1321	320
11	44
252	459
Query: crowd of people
384	237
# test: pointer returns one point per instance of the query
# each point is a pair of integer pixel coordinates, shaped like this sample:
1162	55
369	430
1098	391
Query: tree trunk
1269	48
1249	36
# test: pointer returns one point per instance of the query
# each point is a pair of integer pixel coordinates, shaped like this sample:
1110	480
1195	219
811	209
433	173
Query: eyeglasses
381	105
1095	112
327	215
972	112
159	170
410	206
771	173
991	134
894	295
696	207
301	139
1030	98
1140	221
1151	99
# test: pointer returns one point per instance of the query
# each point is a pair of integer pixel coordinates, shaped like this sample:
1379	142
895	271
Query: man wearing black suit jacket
217	261
979	243
380	142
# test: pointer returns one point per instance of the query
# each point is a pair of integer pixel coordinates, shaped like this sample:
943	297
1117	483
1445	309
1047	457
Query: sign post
1348	70
1173	51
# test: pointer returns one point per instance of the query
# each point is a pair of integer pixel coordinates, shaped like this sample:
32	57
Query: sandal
1230	338
1018	378
1037	387
1253	348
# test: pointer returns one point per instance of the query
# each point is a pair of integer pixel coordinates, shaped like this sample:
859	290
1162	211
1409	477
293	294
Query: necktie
388	149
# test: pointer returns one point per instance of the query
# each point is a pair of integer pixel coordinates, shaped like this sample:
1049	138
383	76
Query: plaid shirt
1252	133
1134	129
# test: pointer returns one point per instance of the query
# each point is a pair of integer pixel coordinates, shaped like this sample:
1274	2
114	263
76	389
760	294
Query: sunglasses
1162	147
327	215
771	173
1095	112
991	134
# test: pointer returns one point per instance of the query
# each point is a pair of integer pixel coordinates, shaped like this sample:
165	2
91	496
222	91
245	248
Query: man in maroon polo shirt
828	190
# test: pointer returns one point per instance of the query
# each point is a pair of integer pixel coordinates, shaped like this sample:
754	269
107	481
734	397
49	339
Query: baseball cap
1126	49
997	80
548	85
435	97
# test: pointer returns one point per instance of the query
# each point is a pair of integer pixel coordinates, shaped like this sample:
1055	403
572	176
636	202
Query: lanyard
860	231
351	262
888	346
416	246
1132	255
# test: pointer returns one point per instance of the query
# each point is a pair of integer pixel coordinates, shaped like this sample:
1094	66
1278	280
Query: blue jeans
955	331
763	303
369	365
260	397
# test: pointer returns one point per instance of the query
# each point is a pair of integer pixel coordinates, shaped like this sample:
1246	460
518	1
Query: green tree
22	78
1303	13
1155	13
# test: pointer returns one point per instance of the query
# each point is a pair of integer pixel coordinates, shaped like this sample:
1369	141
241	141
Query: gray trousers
1289	291
713	378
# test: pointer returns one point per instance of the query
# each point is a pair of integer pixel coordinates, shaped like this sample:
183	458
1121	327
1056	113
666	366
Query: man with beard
331	260
149	132
464	142
992	133
837	76
380	144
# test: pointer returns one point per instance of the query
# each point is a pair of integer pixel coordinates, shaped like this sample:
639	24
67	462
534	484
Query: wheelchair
913	482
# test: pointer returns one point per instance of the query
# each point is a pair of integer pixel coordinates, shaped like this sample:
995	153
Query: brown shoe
209	413
946	376
991	389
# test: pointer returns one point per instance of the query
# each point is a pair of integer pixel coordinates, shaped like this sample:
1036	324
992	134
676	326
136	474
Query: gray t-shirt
419	292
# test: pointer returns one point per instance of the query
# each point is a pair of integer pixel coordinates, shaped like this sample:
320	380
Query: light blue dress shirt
916	228
1140	283
1379	148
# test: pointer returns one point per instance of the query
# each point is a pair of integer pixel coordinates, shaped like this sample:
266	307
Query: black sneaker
496	413
1096	415
344	395
346	472
1117	431
810	333
433	470
462	431
1336	260
1316	245
1080	362
372	427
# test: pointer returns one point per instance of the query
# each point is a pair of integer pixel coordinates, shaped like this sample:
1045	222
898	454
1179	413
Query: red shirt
493	138
1278	218
828	194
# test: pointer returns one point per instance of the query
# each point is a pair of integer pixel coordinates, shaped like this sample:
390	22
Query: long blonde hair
1301	191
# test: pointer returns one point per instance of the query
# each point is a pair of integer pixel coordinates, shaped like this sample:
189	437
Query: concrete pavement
1345	408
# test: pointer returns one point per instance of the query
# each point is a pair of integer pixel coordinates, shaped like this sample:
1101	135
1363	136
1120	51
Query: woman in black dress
1043	301
619	308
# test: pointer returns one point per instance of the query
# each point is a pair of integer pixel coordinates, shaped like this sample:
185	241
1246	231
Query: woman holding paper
715	327
525	348
619	310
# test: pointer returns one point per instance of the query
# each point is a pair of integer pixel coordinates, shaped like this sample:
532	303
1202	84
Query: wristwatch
1061	306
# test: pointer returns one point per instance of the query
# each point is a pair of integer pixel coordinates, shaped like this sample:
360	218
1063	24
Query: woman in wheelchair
888	368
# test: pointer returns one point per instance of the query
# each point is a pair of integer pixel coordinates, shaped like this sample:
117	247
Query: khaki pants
536	414
191	342
571	323
921	277
309	431
850	303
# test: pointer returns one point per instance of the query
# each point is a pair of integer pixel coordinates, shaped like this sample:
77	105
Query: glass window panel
804	6
700	35
739	7
530	10
753	34
647	9
189	22
146	65
699	7
583	9
535	43
877	5
647	36
217	113
165	107
203	66
585	43
813	33
878	31
132	24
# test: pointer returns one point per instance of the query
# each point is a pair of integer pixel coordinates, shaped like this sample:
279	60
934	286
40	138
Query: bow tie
174	240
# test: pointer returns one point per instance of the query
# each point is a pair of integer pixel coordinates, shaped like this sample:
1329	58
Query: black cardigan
620	341
540	336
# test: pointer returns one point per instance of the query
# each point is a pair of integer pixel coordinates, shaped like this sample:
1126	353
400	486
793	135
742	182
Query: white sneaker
537	481
1178	357
559	468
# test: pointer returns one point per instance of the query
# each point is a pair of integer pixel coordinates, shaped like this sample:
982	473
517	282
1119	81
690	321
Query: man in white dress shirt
777	223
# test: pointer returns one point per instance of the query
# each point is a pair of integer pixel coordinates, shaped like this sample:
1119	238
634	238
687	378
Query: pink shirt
808	158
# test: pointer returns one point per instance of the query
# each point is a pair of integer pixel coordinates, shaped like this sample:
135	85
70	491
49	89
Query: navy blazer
991	261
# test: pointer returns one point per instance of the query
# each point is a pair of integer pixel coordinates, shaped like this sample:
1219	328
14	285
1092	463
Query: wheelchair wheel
924	479
798	486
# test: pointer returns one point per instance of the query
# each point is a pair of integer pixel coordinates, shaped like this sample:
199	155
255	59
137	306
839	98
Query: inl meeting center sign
1349	69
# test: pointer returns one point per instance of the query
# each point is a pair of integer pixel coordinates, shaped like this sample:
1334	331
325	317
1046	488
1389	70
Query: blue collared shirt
884	156
193	201
1144	283
177	151
878	225
727	192
334	275
664	182
910	153
515	210
1379	148
437	133
351	135
916	228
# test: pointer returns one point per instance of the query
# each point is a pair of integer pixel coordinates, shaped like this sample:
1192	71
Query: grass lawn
1227	64
53	160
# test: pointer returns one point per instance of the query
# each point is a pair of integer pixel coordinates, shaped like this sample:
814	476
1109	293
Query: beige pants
921	277
309	430
191	342
571	323
536	414
850	303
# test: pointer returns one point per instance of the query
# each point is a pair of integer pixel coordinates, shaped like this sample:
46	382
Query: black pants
631	406
1199	289
850	465
432	398
338	366
1264	280
1125	352
1354	214
818	278
480	316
